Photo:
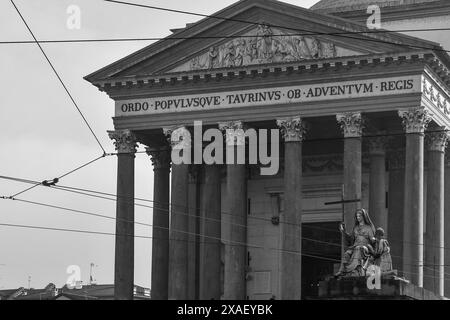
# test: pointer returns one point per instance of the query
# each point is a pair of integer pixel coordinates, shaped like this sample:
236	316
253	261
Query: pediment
252	32
264	45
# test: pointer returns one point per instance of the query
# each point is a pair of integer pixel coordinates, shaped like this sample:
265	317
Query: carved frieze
432	93
264	45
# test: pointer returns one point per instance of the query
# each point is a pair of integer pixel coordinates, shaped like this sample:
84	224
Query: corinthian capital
178	136
233	132
351	124
415	120
124	141
292	129
160	157
438	139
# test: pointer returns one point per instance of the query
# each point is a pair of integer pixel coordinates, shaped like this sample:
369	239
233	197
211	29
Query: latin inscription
271	96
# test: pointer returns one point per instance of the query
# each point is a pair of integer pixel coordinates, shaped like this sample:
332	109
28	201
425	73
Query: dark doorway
321	251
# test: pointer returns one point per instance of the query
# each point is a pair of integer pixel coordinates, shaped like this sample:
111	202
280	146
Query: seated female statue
359	244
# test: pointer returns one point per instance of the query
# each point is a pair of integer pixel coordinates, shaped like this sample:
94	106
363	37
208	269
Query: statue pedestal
355	288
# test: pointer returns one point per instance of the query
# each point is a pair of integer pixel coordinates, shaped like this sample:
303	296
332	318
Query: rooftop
330	6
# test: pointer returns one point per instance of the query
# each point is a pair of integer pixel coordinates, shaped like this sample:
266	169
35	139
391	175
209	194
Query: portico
344	109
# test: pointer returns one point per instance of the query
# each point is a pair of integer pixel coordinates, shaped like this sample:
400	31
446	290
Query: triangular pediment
264	45
252	32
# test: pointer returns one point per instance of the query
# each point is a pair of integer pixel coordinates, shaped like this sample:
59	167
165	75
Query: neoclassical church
362	118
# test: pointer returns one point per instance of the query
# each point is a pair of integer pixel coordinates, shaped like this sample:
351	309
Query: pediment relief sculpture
264	45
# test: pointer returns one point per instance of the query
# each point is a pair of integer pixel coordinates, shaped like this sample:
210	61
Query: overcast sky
42	135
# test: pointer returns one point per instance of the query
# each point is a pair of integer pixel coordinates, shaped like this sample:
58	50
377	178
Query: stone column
434	234
235	286
125	142
415	120
194	231
292	130
160	243
351	125
210	234
179	221
377	181
396	205
447	224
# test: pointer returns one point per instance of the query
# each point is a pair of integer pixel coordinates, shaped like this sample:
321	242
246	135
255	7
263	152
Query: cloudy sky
42	135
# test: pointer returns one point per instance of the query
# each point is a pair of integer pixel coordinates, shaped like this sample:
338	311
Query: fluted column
434	234
179	220
160	240
235	286
125	143
351	125
292	130
415	121
377	182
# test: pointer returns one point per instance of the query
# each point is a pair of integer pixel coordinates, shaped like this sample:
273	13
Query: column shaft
396	210
235	244
351	125
352	178
377	191
193	236
415	121
178	243
413	206
291	219
447	228
290	223
210	230
125	143
124	256
160	241
434	234
235	251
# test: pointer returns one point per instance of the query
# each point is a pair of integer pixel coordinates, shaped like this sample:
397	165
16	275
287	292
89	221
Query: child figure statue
382	252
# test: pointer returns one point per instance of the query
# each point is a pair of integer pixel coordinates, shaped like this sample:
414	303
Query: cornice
277	68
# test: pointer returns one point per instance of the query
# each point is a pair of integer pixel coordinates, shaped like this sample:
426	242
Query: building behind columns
361	116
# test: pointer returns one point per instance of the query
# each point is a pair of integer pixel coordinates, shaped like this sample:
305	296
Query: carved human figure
316	49
359	244
264	42
213	56
250	52
228	59
302	49
329	50
240	53
382	252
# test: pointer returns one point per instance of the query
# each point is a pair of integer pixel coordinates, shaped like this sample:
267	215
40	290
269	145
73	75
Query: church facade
361	121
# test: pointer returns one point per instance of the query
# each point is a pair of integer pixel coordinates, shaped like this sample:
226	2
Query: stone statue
359	244
382	252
